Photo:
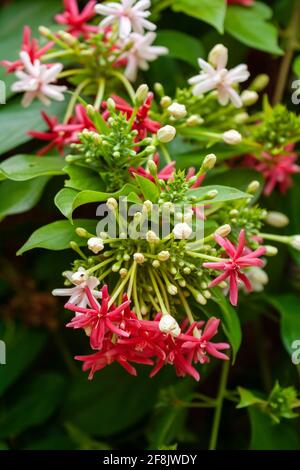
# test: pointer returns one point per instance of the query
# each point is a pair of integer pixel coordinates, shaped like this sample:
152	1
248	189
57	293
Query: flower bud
151	236
182	231
295	242
148	205
95	244
155	263
152	167
81	232
177	110
163	255
172	289
166	134
169	325
260	82
123	273
232	137
240	118
79	276
111	105
277	219
212	194
159	89
272	250
253	187
68	38
165	101
218	52
139	258
141	94
194	120
224	230
112	203
45	32
249	97
209	161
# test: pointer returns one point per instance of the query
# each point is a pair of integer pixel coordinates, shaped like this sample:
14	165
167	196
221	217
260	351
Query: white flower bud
165	101
295	242
166	134
277	219
224	230
172	289
182	231
194	120
232	137
200	299
253	187
148	205
95	244
151	236
249	97
141	93
123	273
212	194
155	263
209	161
241	118
219	52
112	203
79	276
177	110
163	255
169	325
139	258
272	250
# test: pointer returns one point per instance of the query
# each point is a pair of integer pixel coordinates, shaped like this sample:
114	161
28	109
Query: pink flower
30	46
277	169
141	123
245	3
99	319
164	174
77	21
60	135
239	257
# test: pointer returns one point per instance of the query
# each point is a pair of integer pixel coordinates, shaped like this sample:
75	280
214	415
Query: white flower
77	294
140	53
166	133
182	231
95	244
232	137
35	80
177	110
128	14
215	76
169	325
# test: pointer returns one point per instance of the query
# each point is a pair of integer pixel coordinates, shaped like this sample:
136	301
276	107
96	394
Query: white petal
124	27
28	98
64	291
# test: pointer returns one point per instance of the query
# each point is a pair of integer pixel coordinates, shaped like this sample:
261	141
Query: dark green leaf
26	167
210	11
247	398
64	201
181	45
82	178
148	188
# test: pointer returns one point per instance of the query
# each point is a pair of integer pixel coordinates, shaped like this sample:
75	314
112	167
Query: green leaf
148	188
64	201
230	321
288	307
82	178
32	405
18	339
181	46
249	26
87	197
225	193
16	121
247	398
57	235
296	66
267	436
210	11
97	407
17	197
26	167
240	178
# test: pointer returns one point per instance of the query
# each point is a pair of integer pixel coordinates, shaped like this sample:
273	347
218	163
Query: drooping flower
140	52
77	294
99	318
32	48
142	123
36	80
277	169
215	76
75	20
238	259
59	135
129	15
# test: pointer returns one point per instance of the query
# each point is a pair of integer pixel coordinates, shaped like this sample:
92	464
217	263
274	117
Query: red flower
75	20
141	123
30	46
100	318
239	258
60	135
245	3
277	169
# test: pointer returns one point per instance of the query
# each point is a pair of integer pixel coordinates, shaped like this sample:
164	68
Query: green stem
100	94
158	295
219	406
275	238
74	98
186	306
126	83
68	73
292	39
100	265
204	256
131	280
166	153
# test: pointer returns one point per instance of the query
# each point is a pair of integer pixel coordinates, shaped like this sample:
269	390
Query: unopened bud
172	289
159	89
141	94
95	244
182	231
163	255
241	118
45	32
111	105
123	273
139	258
249	97
260	82
253	187
212	194
224	230
166	134
81	232
277	219
272	250
295	242
151	236
169	325
218	52
112	203
165	101
148	205
155	263
209	161
232	137
177	110
80	276
194	120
